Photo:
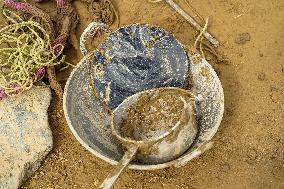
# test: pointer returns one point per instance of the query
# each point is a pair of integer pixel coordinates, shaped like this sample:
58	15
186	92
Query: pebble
252	154
261	76
243	38
275	88
226	167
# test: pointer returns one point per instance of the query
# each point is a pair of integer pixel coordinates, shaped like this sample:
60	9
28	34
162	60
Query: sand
248	149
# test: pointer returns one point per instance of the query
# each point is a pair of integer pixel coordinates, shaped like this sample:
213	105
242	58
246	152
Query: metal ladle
162	145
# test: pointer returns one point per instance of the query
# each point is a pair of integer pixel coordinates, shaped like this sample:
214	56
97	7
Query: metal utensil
89	120
159	145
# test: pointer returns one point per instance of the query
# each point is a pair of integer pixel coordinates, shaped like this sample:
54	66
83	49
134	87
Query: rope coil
25	51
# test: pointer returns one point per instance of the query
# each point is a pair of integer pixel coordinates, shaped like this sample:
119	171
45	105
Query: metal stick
191	20
123	163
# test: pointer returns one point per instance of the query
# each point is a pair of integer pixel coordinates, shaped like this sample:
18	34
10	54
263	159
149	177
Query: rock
243	38
252	154
25	136
240	54
261	76
226	167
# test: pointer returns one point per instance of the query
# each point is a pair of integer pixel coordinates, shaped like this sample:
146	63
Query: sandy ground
249	147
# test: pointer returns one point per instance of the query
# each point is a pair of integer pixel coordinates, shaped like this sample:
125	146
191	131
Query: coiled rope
25	52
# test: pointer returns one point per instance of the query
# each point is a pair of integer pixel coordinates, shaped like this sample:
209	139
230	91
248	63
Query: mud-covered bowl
182	131
89	120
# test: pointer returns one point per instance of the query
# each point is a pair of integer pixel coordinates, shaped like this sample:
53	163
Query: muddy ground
249	146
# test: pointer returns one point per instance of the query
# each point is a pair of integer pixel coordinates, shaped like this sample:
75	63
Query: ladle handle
90	32
123	163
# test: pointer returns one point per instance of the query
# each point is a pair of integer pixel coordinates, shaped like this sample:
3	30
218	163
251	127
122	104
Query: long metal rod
191	20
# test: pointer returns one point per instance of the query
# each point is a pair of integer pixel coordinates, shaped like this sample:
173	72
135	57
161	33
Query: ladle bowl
162	143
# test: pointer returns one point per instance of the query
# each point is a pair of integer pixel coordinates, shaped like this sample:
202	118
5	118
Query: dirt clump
154	113
243	38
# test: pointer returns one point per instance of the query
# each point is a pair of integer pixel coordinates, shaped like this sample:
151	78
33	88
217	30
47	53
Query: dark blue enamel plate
135	58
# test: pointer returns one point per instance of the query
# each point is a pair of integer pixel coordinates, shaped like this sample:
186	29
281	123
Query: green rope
25	51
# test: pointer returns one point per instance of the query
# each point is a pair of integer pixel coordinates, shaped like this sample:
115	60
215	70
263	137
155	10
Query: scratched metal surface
89	120
135	58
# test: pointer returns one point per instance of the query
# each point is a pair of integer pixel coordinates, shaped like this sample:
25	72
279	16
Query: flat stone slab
25	136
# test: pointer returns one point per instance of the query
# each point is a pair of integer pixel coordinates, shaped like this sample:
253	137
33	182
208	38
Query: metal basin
89	120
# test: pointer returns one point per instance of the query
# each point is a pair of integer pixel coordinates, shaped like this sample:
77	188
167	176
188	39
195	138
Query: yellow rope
201	33
154	1
24	49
